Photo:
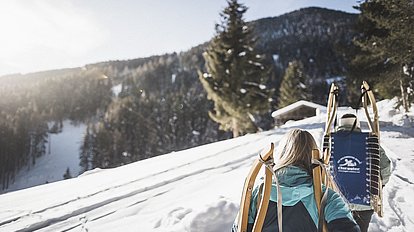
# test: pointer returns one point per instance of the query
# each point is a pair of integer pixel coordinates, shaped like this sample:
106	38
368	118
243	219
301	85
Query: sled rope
264	199
279	196
327	179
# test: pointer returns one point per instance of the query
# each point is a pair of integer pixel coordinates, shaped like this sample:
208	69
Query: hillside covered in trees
32	106
162	106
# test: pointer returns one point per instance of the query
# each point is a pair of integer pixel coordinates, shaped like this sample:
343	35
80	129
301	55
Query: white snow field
195	190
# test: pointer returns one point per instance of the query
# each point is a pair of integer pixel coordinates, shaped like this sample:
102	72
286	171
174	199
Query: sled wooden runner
247	193
331	108
373	124
318	174
317	180
369	98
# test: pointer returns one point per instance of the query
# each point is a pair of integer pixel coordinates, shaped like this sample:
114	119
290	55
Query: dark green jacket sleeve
385	166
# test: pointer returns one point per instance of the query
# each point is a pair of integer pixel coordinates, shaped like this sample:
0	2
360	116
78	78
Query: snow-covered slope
192	190
63	154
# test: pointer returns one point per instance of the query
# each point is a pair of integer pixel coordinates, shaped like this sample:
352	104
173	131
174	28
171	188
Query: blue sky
50	34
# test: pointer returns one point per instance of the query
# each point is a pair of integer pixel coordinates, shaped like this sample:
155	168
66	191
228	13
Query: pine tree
386	55
235	79
86	149
293	87
67	174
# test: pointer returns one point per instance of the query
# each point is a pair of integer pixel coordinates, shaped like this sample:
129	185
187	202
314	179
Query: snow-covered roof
296	105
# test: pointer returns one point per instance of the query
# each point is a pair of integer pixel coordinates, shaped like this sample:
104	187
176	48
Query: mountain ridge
255	23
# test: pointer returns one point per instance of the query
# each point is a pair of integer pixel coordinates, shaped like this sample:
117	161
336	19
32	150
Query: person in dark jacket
293	168
363	213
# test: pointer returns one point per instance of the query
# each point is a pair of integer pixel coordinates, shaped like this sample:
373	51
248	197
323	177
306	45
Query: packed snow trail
398	193
197	189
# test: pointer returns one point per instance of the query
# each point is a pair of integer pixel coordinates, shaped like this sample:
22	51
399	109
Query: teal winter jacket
299	206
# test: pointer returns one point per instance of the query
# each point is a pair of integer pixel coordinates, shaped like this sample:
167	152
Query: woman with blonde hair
293	168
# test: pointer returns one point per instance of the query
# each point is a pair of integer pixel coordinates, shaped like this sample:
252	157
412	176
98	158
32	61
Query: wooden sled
372	144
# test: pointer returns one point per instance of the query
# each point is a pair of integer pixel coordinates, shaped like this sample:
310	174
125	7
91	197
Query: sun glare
35	33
